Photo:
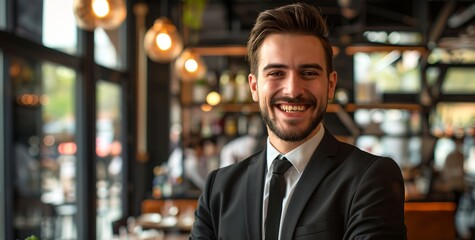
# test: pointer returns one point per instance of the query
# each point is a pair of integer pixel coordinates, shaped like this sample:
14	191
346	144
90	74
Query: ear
332	80
252	79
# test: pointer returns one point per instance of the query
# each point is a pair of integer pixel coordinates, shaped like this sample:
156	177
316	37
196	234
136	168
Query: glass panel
3	14
459	80
109	165
109	49
29	17
463	55
449	119
386	72
395	38
443	147
59	27
391	132
48	22
44	149
393	122
404	150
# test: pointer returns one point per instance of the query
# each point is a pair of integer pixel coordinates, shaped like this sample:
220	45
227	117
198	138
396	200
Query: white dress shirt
299	157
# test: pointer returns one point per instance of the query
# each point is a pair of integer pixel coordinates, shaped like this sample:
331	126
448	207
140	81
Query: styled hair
299	18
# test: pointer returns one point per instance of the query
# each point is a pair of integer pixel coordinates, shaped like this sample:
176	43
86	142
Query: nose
293	86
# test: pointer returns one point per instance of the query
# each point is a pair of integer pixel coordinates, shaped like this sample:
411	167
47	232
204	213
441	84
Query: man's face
292	86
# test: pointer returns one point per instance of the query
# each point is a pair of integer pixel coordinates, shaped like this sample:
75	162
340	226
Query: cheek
320	91
265	91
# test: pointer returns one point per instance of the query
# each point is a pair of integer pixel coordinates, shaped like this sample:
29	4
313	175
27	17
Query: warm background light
189	66
106	14
162	42
101	8
213	98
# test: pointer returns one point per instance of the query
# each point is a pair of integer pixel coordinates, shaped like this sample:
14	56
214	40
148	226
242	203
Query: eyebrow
310	65
314	65
274	65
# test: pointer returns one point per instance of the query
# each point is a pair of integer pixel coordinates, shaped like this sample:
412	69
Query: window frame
88	73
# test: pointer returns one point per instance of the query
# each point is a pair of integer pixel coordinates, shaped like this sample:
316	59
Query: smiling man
305	184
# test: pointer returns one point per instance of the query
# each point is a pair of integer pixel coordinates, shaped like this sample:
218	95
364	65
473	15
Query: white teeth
289	108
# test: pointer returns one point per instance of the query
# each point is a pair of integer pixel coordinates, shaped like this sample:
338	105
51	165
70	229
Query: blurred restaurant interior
114	111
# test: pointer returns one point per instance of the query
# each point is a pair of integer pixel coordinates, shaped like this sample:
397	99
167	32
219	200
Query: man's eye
309	73
276	73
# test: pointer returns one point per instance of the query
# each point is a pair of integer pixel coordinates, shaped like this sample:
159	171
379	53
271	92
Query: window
109	50
44	149
109	163
50	94
459	80
453	118
3	14
377	73
59	31
391	132
54	26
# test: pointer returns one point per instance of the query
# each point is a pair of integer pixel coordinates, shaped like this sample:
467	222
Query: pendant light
107	14
162	42
190	66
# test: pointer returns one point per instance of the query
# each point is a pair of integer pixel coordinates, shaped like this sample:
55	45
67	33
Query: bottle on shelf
226	87
242	124
200	90
230	126
243	94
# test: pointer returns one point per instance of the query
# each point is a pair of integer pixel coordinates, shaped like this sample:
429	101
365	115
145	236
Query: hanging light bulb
107	14
163	42
213	98
189	66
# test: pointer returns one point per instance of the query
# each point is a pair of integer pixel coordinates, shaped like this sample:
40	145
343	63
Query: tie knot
281	165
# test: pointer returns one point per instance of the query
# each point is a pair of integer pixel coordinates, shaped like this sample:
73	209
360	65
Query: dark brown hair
297	18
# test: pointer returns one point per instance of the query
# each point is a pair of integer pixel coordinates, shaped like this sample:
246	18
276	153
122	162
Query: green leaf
32	237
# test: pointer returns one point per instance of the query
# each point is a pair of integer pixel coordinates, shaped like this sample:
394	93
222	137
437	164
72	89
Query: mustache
297	100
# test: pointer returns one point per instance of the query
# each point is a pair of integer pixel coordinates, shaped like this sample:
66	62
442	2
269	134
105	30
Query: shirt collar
300	156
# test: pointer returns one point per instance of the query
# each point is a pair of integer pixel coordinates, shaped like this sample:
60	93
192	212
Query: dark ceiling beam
459	19
391	15
440	23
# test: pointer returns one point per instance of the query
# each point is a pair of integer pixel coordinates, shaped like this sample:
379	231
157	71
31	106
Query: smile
292	108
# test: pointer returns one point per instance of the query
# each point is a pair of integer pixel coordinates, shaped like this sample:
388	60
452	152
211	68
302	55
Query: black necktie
276	194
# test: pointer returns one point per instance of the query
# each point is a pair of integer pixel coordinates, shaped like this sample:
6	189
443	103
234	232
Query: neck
286	146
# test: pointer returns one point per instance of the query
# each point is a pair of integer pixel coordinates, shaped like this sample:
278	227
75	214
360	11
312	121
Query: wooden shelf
221	51
351	50
401	106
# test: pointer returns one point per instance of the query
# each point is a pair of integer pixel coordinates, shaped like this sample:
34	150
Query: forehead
291	50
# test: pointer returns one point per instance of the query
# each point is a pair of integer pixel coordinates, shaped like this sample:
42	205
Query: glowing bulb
191	65
106	14
101	8
164	42
213	98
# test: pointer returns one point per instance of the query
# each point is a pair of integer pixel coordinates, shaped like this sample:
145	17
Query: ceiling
229	21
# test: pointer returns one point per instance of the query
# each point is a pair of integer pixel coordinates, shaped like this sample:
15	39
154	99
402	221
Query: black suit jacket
344	193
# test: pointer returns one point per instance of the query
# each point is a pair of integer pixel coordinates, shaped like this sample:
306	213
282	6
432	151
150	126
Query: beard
293	136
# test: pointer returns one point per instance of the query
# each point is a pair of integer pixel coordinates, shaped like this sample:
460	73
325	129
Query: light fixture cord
164	5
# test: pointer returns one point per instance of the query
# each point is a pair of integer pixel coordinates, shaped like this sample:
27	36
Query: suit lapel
317	168
254	194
